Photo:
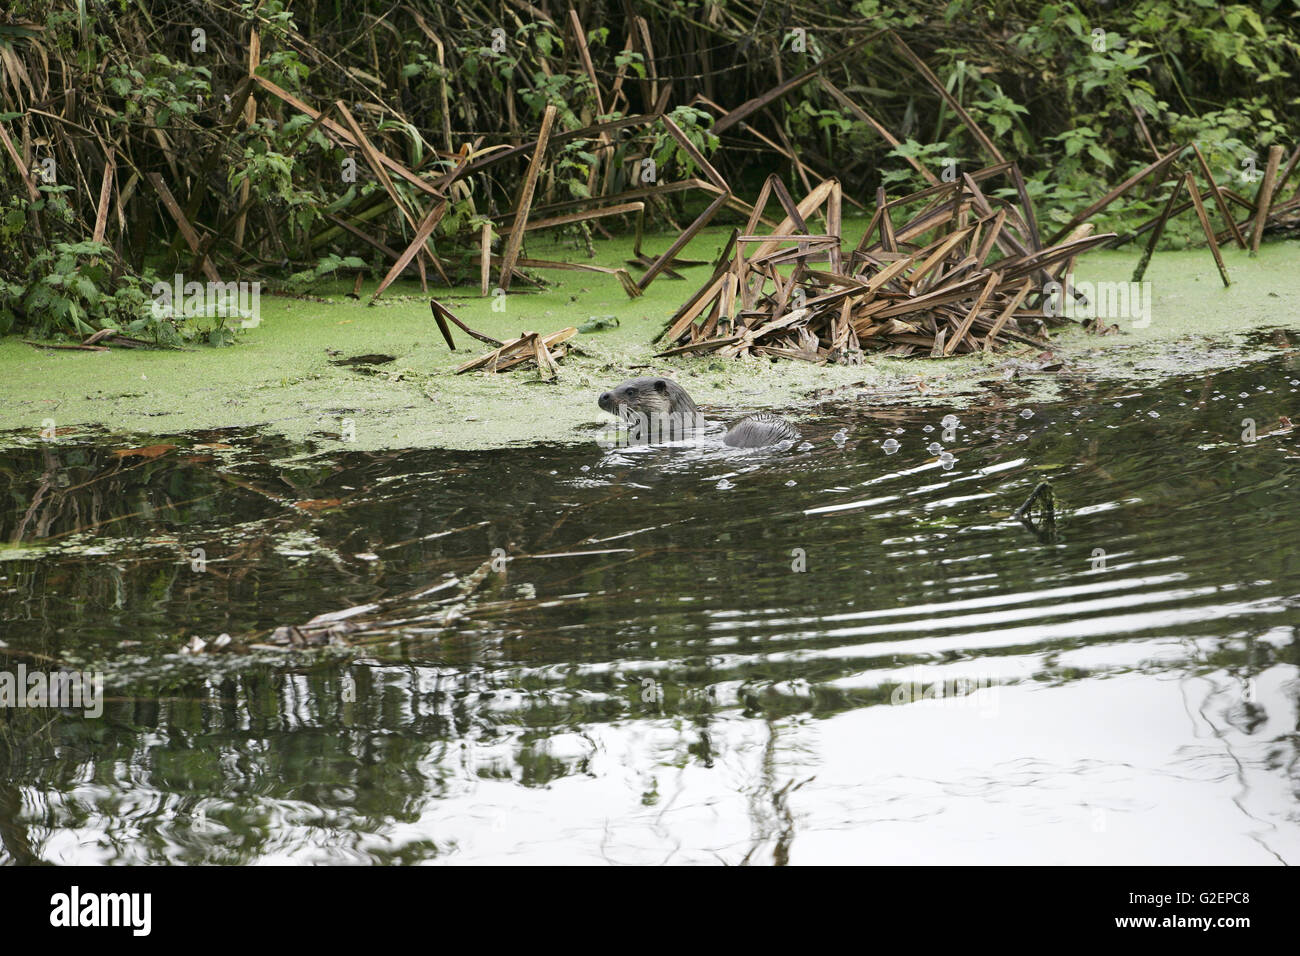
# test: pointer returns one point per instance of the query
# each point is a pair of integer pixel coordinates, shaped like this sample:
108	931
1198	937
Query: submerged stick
1218	198
1205	224
441	310
442	323
1159	229
1043	492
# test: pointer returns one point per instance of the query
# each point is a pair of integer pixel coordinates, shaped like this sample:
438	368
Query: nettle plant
561	90
326	268
62	286
1231	137
573	168
831	125
1083	161
159	88
903	178
695	124
270	177
68	287
280	62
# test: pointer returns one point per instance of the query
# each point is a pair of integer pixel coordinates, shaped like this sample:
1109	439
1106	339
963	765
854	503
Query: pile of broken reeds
965	272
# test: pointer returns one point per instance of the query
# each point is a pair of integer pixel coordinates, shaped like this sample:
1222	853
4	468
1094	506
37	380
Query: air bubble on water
1153	414
1027	414
890	446
1022	438
949	421
791	483
586	467
927	429
898	431
1076	413
934	448
805	446
1244	395
947	463
1295	381
724	485
1117	404
840	437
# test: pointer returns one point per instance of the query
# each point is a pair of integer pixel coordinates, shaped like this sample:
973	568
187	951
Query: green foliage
633	60
694	124
930	155
561	90
328	266
573	166
280	62
68	289
1058	86
64	287
1000	113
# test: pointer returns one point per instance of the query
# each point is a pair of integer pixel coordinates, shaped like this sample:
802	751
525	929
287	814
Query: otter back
755	431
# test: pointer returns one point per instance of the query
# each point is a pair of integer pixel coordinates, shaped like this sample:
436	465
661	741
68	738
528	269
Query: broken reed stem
1264	200
525	203
1205	225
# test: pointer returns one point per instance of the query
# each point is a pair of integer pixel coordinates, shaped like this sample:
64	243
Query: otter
658	409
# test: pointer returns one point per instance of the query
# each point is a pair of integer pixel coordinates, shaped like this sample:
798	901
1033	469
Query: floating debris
529	347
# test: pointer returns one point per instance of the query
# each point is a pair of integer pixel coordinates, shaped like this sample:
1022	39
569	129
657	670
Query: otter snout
606	402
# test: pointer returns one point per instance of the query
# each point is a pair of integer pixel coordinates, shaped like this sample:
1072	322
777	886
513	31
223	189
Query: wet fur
669	413
657	409
758	431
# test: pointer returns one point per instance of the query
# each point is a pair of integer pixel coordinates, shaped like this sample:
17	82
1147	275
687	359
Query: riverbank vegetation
298	144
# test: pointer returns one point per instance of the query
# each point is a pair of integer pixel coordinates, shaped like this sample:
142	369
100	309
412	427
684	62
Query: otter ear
660	385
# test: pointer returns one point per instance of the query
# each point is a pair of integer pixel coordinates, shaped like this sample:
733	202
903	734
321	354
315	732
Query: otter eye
629	392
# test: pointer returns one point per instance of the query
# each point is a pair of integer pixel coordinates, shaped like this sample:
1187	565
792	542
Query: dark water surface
650	678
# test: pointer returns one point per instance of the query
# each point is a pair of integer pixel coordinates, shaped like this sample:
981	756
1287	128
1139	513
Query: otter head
647	396
659	402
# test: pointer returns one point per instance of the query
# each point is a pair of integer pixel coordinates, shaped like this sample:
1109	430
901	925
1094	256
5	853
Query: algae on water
282	375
